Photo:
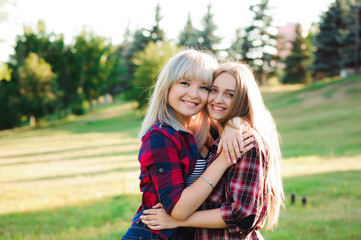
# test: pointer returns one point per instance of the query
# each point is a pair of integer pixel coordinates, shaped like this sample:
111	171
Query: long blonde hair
248	104
188	64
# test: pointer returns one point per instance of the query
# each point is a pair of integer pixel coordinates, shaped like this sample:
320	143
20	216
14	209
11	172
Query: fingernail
234	161
229	160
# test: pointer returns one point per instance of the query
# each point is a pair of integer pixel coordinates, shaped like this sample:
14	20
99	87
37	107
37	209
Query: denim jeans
140	231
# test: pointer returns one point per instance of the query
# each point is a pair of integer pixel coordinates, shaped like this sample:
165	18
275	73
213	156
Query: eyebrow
230	90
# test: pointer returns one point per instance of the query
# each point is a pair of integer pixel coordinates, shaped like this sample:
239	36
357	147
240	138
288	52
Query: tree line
46	76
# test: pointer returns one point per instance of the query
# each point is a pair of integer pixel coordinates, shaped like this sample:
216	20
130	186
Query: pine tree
207	36
297	61
328	42
349	50
189	35
156	33
235	50
141	38
259	43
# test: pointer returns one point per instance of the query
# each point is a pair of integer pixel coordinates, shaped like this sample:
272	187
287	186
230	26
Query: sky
110	18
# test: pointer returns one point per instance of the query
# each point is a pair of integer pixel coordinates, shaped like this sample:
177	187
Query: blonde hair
187	64
248	104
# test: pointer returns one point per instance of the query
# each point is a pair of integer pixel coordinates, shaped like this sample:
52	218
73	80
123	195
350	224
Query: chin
216	117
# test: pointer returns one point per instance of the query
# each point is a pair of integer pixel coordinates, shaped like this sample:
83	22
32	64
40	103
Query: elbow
247	222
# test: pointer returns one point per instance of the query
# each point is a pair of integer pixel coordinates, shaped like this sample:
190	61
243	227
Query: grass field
78	178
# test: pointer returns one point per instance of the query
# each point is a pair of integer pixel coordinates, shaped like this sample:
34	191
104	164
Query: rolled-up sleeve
244	193
160	156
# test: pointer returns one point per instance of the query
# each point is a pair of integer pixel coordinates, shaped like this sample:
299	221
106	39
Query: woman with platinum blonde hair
251	190
175	136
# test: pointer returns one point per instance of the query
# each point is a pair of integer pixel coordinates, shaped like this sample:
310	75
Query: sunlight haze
110	18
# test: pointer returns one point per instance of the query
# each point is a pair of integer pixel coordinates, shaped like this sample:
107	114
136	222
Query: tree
298	60
189	35
9	102
117	72
350	52
90	57
51	47
207	36
235	50
156	33
148	64
37	87
5	72
328	42
259	47
141	37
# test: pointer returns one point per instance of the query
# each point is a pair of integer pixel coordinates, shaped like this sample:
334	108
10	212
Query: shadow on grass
332	212
62	151
121	153
113	214
127	123
128	169
124	123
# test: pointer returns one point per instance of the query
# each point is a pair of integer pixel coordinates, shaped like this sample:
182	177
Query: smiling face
187	98
221	95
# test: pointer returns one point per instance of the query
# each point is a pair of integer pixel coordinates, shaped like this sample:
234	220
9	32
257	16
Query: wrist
182	223
222	164
235	122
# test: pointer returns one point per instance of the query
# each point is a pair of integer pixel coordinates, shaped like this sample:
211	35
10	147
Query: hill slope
323	119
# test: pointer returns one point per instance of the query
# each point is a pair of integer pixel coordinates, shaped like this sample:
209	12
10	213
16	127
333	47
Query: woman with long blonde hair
251	190
174	133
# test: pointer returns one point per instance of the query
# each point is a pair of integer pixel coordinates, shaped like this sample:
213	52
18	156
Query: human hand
249	144
235	142
158	219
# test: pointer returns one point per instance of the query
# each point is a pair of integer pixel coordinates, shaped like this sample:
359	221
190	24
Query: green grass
78	178
323	119
332	211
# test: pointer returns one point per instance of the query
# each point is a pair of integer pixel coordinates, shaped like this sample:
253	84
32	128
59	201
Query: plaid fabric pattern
166	157
241	196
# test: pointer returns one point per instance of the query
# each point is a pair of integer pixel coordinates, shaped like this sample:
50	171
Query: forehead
225	81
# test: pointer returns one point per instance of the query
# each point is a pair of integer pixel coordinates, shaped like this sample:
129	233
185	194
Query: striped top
199	168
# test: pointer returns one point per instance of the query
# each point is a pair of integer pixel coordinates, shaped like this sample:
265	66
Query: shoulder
163	135
255	155
160	128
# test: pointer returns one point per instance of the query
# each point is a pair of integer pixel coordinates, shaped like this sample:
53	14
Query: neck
219	128
185	122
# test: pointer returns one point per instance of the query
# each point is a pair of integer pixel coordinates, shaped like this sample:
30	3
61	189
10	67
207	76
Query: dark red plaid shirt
241	196
166	158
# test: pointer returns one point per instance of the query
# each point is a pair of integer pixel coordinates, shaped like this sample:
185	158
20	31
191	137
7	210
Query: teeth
189	103
218	108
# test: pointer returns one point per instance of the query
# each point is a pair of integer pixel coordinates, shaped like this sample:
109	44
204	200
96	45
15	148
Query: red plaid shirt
241	196
166	158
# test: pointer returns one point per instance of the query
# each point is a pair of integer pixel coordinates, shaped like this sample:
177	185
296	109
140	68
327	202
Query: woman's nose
218	98
193	92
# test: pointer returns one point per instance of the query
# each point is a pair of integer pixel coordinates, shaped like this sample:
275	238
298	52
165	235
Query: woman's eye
213	90
230	95
204	88
184	83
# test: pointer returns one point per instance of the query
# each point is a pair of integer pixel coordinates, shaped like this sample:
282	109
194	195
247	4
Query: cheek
211	96
228	102
204	97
